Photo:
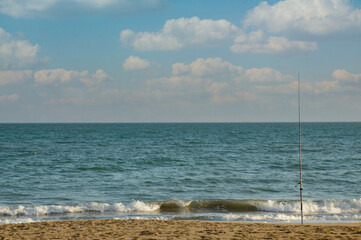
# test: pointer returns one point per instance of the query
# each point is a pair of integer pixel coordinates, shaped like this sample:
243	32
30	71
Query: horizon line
178	122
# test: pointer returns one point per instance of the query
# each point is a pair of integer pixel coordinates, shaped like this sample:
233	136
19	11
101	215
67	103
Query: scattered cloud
135	63
96	78
344	81
207	67
54	8
57	75
9	98
14	76
265	75
259	44
63	76
219	81
344	75
216	87
210	79
180	33
347	82
321	87
273	23
318	87
48	76
315	17
16	54
191	32
217	68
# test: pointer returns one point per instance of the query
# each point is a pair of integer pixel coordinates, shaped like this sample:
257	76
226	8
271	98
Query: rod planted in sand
299	145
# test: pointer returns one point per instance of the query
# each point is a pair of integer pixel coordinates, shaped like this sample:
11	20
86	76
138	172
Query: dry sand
156	229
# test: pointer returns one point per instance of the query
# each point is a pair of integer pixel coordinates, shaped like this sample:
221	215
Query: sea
245	172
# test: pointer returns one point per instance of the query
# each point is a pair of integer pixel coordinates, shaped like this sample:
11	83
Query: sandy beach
157	229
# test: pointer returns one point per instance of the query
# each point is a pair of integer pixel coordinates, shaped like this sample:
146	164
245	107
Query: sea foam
135	206
327	206
228	206
220	210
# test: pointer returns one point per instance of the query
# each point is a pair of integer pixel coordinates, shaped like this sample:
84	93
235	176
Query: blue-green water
206	171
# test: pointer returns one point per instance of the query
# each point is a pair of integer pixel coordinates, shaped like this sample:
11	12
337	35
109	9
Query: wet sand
157	229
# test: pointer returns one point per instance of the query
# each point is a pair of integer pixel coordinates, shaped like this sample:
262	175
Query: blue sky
179	61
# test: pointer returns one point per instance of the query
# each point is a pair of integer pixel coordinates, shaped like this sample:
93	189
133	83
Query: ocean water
197	171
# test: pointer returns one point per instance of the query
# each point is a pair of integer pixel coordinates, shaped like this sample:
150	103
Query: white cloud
273	45
346	76
135	63
63	76
344	82
256	36
15	54
9	98
214	75
216	87
51	8
347	82
219	81
96	78
14	76
265	75
181	33
150	41
217	68
316	17
318	87
321	87
207	67
191	32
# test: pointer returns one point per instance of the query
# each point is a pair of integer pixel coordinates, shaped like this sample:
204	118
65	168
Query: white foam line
135	206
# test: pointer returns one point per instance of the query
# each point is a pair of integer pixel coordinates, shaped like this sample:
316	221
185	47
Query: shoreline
177	229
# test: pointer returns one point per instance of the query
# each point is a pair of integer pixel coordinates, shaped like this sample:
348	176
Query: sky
179	61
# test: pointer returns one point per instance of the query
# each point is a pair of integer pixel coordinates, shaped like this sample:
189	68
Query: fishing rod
299	144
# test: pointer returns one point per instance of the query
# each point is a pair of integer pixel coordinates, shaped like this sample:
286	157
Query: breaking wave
193	206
